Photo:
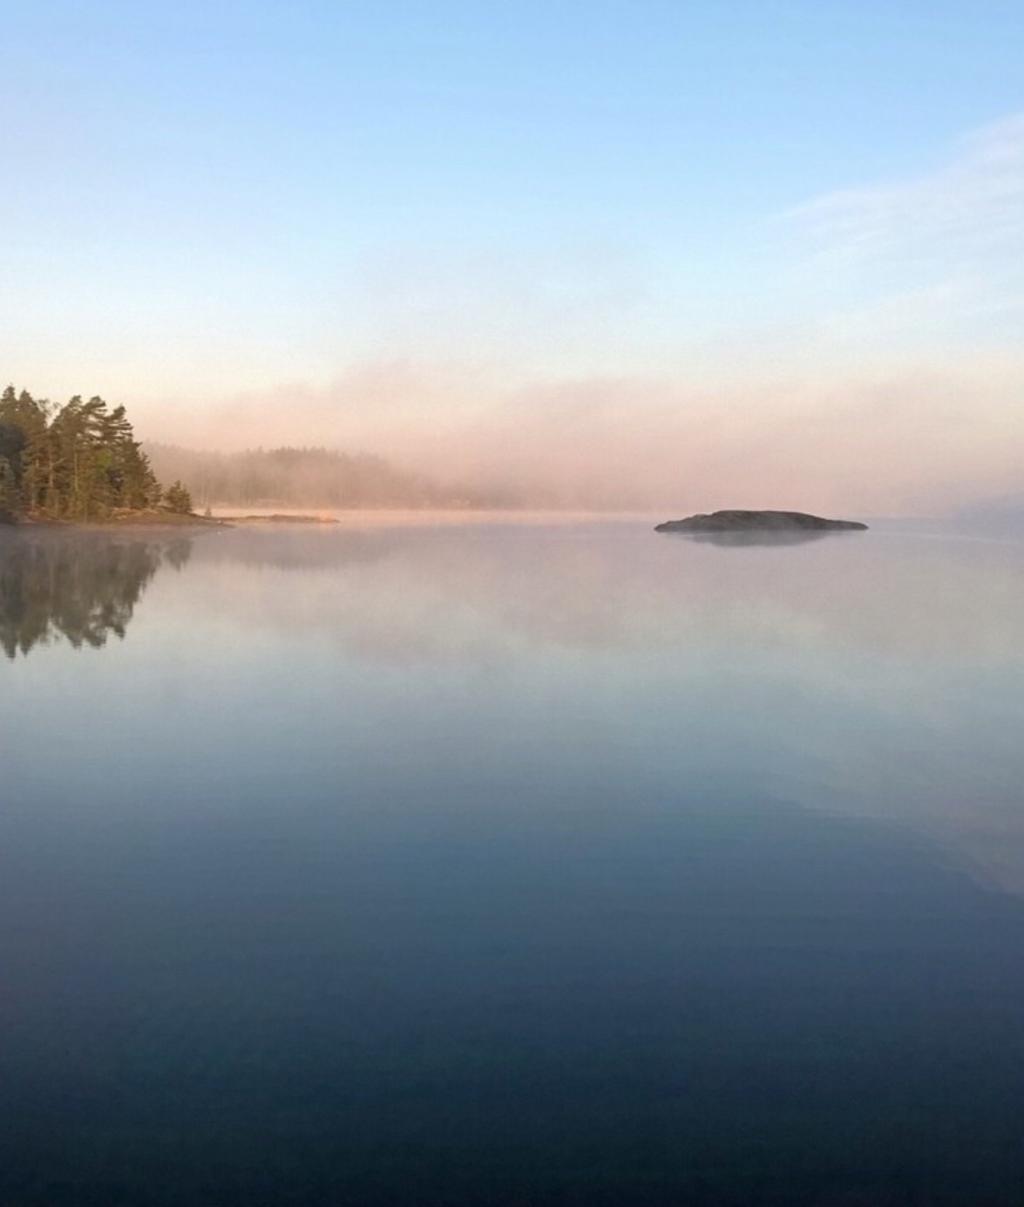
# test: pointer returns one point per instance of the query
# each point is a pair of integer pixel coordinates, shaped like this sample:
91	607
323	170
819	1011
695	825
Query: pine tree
10	497
32	418
178	500
12	447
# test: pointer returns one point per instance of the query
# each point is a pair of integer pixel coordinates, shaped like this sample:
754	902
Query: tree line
79	461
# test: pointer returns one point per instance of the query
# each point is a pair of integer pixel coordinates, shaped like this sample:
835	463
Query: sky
696	254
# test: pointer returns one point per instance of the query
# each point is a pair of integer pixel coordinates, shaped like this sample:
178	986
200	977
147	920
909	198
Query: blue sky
485	205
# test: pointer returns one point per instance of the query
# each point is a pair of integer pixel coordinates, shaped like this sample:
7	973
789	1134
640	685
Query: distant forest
79	461
305	477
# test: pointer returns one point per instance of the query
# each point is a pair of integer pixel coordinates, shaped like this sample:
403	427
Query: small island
759	521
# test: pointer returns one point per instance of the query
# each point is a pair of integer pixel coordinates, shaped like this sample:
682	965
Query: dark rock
759	521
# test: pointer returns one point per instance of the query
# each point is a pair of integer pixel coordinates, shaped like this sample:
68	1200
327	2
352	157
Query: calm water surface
517	864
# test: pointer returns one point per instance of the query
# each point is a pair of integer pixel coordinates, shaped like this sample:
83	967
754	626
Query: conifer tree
178	499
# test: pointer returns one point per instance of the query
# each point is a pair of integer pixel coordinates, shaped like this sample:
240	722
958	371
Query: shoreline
142	519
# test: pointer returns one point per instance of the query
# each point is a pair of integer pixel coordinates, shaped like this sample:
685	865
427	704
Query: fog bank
909	441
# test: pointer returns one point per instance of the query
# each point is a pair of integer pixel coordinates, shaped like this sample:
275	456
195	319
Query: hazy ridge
309	477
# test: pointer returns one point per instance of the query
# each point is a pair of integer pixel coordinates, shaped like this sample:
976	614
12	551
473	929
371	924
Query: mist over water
517	862
896	438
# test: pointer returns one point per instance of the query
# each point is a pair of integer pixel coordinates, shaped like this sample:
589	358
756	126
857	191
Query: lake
515	863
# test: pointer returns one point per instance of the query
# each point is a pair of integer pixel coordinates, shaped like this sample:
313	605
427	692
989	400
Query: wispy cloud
927	266
970	207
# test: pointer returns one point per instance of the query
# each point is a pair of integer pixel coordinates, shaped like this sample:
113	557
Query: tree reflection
80	588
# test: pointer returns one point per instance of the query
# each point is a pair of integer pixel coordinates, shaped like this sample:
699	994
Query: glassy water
518	864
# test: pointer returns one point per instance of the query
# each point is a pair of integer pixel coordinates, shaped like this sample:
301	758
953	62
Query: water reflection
571	867
622	589
746	540
80	587
869	674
